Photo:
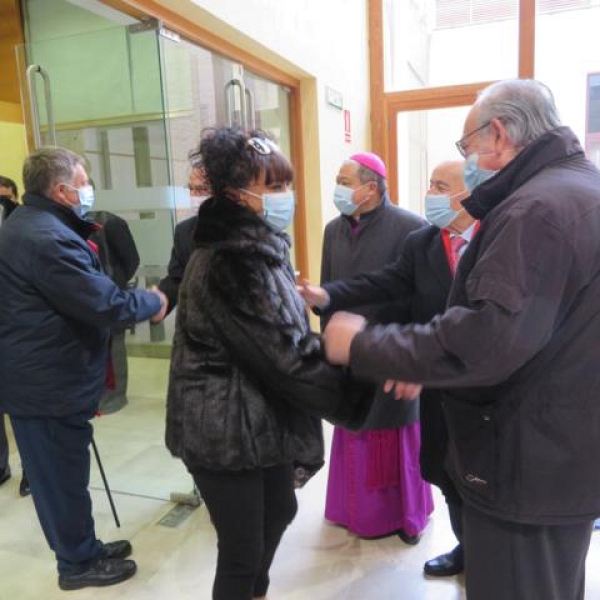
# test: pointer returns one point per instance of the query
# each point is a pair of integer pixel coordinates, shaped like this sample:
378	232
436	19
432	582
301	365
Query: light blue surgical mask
278	208
438	211
473	175
342	198
86	200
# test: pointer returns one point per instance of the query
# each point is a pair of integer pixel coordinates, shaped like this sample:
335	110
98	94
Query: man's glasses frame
461	146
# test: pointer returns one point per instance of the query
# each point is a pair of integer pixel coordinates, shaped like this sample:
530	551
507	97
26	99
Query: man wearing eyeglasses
183	238
516	352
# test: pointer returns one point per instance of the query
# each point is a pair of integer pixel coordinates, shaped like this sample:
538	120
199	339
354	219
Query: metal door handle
238	83
32	70
251	115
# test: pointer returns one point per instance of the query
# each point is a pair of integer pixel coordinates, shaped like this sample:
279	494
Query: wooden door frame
385	106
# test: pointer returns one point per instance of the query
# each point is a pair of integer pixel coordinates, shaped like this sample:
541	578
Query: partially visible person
9	200
183	246
183	237
120	260
246	372
417	285
374	487
9	197
58	309
516	351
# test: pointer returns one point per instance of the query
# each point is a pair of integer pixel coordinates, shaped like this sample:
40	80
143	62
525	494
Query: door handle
32	71
236	83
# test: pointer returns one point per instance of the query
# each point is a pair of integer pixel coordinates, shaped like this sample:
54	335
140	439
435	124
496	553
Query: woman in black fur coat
248	382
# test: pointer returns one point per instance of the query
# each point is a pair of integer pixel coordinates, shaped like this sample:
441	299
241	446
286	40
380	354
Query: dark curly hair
230	161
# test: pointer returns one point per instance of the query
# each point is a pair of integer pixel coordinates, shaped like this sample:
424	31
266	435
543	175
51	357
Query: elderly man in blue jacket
58	309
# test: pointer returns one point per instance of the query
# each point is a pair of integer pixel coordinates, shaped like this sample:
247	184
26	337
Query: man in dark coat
58	308
417	285
517	347
183	242
120	260
183	246
9	200
374	485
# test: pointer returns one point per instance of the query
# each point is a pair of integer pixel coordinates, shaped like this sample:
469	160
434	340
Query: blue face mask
279	209
438	211
473	175
342	198
86	200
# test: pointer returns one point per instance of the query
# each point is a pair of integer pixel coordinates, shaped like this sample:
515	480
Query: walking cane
110	500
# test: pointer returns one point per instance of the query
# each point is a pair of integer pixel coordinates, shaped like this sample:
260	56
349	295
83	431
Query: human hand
164	305
402	389
338	336
313	295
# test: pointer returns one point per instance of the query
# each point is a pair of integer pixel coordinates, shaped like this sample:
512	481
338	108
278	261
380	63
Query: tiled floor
316	561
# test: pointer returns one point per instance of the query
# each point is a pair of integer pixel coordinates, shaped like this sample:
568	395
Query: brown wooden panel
379	139
11	34
526	39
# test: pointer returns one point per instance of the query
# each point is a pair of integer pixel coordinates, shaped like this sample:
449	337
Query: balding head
447	178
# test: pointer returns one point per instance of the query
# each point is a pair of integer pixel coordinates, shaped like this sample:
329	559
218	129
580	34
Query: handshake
164	305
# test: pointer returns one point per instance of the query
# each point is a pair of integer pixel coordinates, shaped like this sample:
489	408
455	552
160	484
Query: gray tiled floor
315	561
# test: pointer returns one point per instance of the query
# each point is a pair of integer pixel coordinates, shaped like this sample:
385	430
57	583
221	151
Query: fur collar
224	224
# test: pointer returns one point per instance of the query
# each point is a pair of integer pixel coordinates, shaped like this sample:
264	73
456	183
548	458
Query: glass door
203	89
99	93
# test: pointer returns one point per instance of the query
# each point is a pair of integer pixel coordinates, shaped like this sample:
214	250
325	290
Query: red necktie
456	243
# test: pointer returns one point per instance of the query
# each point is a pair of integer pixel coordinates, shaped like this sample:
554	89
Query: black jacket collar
554	146
80	226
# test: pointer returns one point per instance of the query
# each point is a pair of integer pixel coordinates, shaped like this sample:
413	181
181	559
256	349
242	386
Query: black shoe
411	540
120	549
106	571
5	475
445	565
24	489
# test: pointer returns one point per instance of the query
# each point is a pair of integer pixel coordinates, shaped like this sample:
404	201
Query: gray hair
524	106
46	167
365	175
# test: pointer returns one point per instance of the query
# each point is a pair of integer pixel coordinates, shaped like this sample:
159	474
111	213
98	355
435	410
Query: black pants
512	561
55	454
3	444
250	511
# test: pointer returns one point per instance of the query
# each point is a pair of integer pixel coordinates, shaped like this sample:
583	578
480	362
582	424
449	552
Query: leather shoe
445	565
119	549
24	489
106	571
411	540
5	475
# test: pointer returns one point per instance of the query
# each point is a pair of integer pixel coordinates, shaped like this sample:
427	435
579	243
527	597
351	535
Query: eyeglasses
461	146
261	146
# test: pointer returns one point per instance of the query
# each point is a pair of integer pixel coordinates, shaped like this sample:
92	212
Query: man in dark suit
418	284
183	238
183	246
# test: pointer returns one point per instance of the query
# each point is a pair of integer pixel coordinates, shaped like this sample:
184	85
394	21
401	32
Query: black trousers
250	511
512	561
55	454
3	444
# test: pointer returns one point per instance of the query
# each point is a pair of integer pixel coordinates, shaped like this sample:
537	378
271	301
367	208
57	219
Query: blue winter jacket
56	313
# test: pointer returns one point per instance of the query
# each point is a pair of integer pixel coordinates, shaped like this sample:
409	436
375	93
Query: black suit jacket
183	246
418	285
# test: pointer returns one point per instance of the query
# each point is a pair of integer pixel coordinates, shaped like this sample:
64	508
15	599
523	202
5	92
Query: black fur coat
248	381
